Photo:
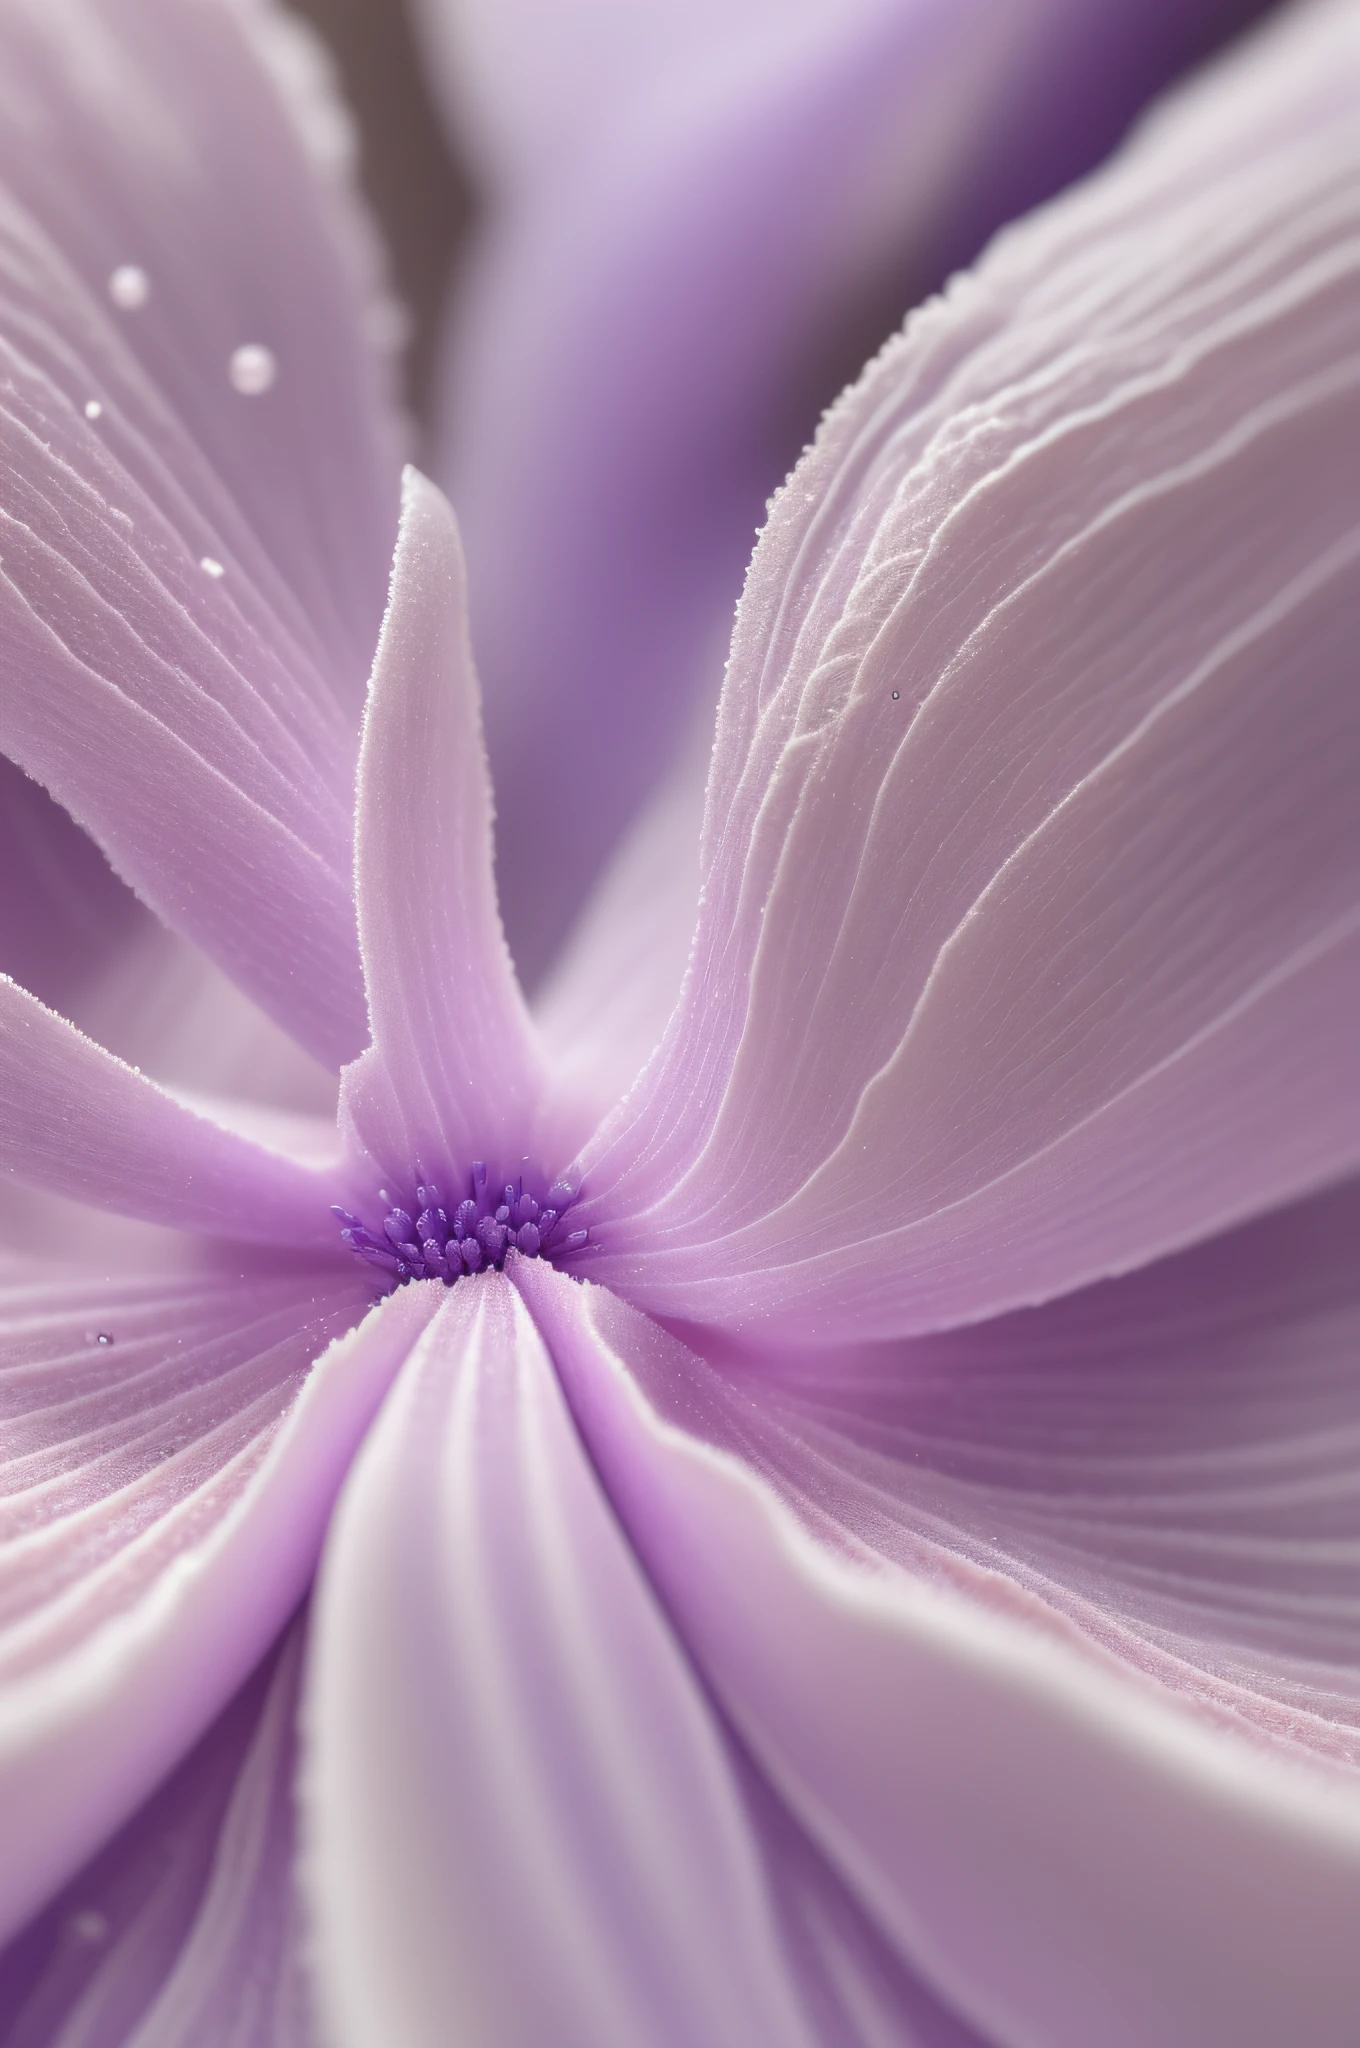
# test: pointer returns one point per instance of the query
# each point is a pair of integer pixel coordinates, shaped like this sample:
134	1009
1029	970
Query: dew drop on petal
99	1337
210	566
252	369
129	287
93	409
896	695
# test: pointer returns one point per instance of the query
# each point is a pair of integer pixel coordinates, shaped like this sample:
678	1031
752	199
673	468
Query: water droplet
99	1337
129	287
252	369
89	1926
210	566
896	695
93	409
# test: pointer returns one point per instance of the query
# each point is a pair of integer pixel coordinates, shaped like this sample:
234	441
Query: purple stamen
469	1236
492	1233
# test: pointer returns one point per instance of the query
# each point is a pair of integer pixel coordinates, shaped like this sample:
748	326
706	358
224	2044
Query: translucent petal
192	573
519	1808
700	218
605	1006
170	1460
185	1928
77	1121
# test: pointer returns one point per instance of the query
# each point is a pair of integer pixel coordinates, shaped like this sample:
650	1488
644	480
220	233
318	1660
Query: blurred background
420	191
424	194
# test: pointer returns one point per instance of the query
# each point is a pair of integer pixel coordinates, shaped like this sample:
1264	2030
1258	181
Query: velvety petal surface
185	1928
1071	1844
452	1074
1031	866
700	219
172	1448
194	542
518	1807
79	1122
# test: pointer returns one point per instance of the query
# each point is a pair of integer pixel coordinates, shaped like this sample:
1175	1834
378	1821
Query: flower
892	1577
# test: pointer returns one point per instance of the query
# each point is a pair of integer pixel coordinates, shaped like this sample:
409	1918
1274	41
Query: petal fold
1030	867
699	220
171	1451
1169	1459
518	1806
1056	1844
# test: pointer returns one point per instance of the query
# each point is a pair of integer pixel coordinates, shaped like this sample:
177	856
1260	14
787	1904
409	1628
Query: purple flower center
434	1237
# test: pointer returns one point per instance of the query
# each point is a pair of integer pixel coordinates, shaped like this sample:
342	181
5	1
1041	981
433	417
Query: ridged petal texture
1031	867
186	1927
520	1809
170	1460
192	556
453	1071
700	219
1046	1632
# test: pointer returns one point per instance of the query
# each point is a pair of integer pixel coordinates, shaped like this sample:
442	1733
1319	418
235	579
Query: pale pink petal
1169	1458
170	1460
77	1121
1031	863
519	1808
64	916
192	574
453	1072
699	219
185	1928
1067	1850
163	1006
77	938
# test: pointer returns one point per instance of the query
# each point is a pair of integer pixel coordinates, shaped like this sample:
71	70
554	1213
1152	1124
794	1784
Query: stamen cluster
434	1239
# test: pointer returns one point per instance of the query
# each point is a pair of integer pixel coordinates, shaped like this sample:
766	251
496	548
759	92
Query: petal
700	219
607	1001
77	938
199	722
518	1806
165	1495
1030	864
1169	1458
64	915
452	1074
79	1122
163	1007
185	1927
1066	1853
